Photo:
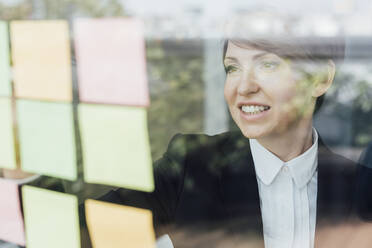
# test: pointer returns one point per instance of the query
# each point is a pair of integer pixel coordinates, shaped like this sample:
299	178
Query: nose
248	83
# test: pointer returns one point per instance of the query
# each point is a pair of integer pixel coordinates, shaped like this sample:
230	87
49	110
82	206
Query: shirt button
285	168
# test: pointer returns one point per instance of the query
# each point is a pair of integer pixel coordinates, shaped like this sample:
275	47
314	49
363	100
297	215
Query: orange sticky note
110	56
11	220
116	226
41	59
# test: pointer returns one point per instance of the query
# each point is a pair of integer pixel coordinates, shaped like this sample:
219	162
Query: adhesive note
7	148
51	218
5	86
110	55
41	60
47	139
112	225
11	228
115	146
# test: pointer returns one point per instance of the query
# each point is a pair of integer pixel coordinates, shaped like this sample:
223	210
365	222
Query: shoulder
203	156
331	162
198	154
194	142
346	179
202	148
337	174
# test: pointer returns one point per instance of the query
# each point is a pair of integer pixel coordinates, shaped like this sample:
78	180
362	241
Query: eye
230	69
269	65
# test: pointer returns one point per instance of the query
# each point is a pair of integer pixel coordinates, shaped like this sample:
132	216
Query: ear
325	80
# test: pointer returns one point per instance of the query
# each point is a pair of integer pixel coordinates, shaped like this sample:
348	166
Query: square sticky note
7	149
115	146
51	218
41	60
11	219
5	87
110	56
47	138
117	226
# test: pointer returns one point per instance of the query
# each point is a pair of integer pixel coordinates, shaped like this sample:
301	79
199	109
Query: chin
252	133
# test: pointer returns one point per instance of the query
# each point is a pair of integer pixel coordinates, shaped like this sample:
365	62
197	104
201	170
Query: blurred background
184	41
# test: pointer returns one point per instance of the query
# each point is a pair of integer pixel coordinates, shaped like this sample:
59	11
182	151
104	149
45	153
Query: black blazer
206	192
364	185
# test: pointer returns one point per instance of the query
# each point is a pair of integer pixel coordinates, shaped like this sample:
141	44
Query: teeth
254	109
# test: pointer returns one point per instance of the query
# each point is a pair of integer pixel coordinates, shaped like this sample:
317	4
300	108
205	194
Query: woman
272	182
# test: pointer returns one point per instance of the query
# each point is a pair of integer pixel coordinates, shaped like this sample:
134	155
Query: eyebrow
254	57
231	58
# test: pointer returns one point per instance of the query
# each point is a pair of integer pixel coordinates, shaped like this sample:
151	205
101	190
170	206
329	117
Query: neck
291	143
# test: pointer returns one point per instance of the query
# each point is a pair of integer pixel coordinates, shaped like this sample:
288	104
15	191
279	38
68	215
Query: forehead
236	52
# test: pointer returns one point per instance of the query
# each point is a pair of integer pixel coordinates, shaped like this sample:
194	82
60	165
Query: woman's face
264	94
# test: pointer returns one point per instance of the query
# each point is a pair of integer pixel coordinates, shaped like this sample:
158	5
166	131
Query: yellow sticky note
51	218
5	87
7	149
47	138
115	146
117	226
41	60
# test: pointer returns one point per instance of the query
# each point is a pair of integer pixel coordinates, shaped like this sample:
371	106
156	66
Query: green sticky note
7	151
47	139
5	87
51	218
115	146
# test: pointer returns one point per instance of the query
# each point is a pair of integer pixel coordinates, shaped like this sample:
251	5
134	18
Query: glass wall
186	77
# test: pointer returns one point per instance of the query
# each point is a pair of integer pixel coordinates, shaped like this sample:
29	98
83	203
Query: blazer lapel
336	182
320	204
238	184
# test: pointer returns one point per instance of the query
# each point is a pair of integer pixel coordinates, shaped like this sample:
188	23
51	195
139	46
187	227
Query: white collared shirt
288	193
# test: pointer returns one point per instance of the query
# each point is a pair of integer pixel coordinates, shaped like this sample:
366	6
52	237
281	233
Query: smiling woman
272	183
268	99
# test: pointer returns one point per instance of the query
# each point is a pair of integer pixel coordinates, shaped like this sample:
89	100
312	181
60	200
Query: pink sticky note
111	63
11	227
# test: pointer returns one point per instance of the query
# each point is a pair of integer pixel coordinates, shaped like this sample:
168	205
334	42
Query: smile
254	109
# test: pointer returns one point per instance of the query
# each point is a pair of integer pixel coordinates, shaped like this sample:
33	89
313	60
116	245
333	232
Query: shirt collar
267	165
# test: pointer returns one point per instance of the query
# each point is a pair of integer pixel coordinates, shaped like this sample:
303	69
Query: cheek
226	93
229	92
291	106
288	97
283	103
284	93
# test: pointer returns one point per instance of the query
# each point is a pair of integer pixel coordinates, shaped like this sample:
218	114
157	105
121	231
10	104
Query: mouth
254	109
